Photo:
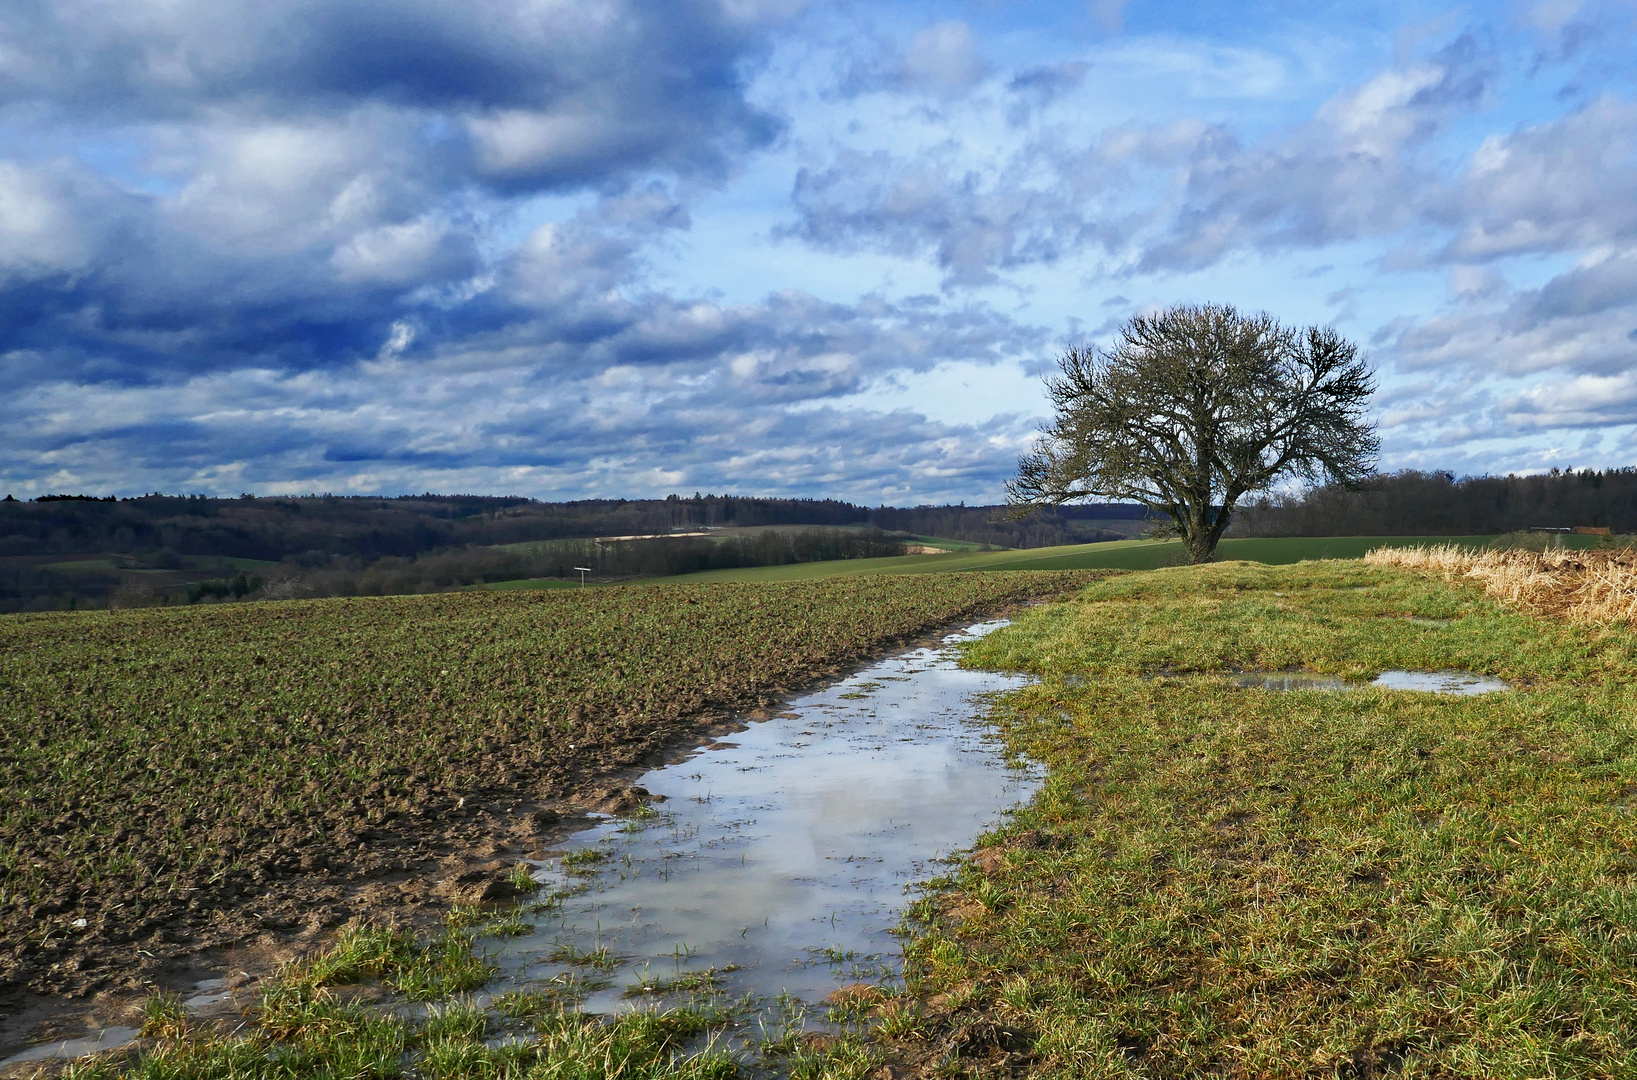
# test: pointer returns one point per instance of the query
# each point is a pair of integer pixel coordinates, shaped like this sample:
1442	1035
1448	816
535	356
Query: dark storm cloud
565	426
530	94
245	246
297	180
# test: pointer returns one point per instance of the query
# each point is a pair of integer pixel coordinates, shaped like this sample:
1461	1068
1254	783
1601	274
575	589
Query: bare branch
1195	407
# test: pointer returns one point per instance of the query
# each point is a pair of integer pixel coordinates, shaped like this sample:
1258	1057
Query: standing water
778	863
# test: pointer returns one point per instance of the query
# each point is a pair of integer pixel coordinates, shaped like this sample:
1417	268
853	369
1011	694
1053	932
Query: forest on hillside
370	528
74	551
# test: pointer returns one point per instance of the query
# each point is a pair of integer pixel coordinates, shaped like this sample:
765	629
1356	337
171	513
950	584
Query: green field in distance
1111	555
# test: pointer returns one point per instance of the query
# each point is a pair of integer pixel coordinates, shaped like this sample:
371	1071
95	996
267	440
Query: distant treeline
76	550
662	557
1438	504
372	528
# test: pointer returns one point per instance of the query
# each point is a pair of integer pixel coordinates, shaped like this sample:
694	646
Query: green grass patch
304	1029
1232	882
1111	555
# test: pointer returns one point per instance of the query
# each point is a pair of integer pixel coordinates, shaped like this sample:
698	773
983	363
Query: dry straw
1581	586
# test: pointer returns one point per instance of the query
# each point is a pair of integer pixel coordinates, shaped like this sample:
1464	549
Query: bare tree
1192	409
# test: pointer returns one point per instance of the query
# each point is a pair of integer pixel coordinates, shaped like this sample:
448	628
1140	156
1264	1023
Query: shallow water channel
779	861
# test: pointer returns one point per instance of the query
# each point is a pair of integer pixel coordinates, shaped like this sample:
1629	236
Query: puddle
1461	683
206	994
1465	683
779	862
775	869
1280	681
106	1039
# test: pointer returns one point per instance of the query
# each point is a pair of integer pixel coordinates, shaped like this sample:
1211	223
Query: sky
623	248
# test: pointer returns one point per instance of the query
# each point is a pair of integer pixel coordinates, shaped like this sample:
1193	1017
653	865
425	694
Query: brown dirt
406	869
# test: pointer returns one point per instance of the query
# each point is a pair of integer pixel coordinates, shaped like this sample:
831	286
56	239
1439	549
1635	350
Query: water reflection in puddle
1461	683
106	1039
1464	683
1290	680
779	860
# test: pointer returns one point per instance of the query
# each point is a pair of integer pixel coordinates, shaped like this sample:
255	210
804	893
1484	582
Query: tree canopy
1195	407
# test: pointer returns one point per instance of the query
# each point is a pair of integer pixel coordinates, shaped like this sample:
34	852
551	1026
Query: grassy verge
165	774
382	1004
1112	555
1239	883
345	1012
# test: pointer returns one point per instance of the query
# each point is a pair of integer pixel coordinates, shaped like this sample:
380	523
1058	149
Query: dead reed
1589	587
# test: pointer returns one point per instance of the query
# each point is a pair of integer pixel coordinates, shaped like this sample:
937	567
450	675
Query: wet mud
405	868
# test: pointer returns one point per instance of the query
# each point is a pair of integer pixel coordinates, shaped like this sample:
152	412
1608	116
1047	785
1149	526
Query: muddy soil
407	868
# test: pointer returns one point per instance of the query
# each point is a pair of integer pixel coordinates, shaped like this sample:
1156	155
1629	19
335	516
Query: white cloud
40	229
944	58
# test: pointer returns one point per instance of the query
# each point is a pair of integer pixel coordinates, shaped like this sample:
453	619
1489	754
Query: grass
1240	883
304	1028
324	1018
708	981
421	968
163	769
1112	555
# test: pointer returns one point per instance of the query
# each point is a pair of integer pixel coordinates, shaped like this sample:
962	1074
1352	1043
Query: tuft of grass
164	1017
583	860
422	969
511	924
559	992
454	1022
304	1030
522	879
602	958
708	981
845	1059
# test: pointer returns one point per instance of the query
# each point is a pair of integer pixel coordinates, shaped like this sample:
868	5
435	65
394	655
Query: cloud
941	60
704	389
1108	14
40	232
1558	186
1180	195
549	94
974	221
1577	323
405	254
1049	82
1349	174
277	187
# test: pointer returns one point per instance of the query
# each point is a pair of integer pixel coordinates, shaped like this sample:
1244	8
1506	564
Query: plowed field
174	778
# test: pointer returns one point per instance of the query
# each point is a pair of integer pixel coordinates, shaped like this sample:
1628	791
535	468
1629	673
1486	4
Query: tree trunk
1201	546
1197	536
